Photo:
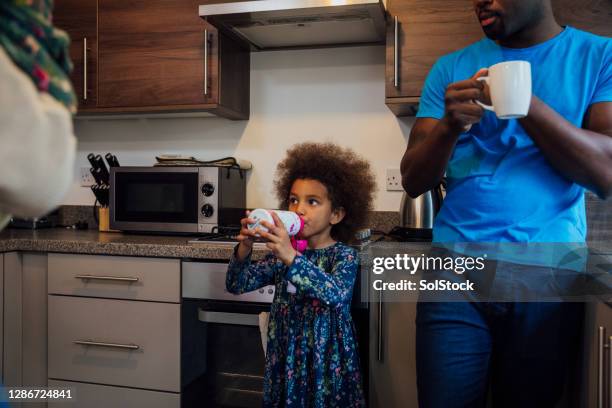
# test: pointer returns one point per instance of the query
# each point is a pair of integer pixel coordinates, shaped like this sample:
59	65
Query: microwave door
159	201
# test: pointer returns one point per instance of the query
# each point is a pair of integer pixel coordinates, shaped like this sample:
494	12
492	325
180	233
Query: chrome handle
84	68
205	62
609	387
600	365
107	278
380	326
242	319
103	344
396	54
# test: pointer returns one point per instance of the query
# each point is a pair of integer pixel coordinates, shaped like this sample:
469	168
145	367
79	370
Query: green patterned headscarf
39	49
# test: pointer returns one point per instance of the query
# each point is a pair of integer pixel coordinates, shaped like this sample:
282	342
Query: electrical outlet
86	177
394	180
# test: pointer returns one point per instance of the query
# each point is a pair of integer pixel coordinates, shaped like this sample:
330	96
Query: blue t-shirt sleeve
603	89
431	103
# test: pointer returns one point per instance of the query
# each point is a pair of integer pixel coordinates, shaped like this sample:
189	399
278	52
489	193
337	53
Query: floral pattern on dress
312	357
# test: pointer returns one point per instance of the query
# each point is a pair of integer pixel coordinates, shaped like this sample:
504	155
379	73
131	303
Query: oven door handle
243	319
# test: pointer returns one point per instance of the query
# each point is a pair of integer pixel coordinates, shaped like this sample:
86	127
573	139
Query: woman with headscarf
37	144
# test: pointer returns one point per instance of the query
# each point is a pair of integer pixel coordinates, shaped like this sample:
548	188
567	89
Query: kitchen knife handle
100	176
109	160
105	196
396	53
94	173
104	175
104	344
92	160
96	192
84	68
205	62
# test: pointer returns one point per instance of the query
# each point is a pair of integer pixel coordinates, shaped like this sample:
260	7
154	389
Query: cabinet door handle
609	384
107	278
205	62
396	53
601	333
103	344
379	344
84	68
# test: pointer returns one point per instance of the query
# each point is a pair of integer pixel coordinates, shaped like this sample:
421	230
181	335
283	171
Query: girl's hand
278	240
245	237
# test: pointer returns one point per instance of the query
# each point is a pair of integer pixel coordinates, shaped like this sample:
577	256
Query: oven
222	355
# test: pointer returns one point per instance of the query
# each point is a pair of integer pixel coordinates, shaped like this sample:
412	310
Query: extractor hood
279	24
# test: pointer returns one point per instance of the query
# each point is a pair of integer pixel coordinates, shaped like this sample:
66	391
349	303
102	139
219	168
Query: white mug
510	88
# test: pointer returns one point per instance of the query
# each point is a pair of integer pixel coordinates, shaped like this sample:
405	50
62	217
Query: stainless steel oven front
223	358
176	199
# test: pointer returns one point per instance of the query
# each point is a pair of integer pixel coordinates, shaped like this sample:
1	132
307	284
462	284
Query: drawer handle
84	68
102	344
206	62
395	52
601	365
107	278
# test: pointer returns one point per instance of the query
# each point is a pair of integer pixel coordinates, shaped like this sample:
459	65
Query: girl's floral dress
312	358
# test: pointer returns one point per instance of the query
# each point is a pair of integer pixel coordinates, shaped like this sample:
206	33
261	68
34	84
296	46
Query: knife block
104	220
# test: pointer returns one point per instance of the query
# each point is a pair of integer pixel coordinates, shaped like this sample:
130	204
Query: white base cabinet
115	330
102	396
25	321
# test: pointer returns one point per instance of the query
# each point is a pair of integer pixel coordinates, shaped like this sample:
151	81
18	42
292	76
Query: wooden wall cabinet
421	31
418	33
79	19
155	56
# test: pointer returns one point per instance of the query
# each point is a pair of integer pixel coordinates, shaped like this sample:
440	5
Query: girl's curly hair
348	178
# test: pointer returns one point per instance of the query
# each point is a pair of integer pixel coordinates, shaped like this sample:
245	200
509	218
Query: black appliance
223	359
48	221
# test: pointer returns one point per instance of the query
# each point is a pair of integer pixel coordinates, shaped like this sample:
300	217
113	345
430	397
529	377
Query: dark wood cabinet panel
428	29
234	75
154	56
594	16
79	19
152	53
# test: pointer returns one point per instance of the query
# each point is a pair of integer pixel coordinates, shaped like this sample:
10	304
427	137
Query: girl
312	358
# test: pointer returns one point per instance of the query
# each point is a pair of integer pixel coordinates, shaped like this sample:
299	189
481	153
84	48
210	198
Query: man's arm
430	146
582	155
432	141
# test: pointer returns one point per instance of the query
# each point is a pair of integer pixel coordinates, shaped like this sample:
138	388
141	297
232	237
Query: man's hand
245	237
460	110
278	240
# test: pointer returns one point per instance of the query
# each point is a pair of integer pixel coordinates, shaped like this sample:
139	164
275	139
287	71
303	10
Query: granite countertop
112	243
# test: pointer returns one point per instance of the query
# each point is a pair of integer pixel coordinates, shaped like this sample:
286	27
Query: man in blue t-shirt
509	181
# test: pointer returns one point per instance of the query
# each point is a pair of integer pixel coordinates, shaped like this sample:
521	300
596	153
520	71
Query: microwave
184	200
